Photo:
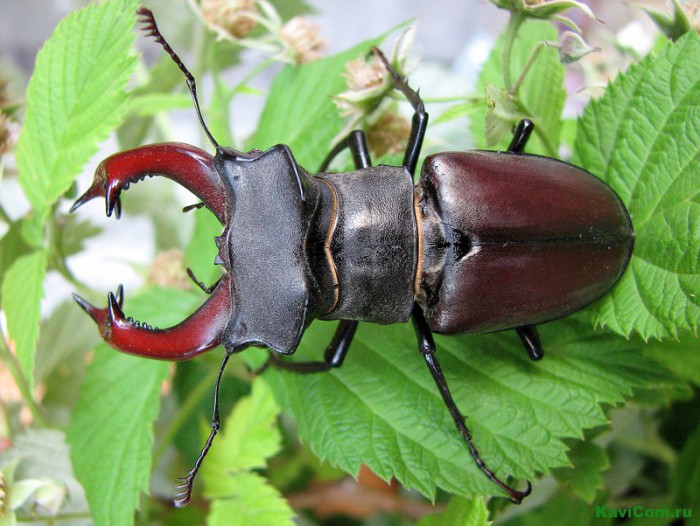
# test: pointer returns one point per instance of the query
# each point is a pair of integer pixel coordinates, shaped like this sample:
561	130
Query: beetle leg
184	489
419	123
531	341
356	142
426	345
199	333
521	135
333	357
200	284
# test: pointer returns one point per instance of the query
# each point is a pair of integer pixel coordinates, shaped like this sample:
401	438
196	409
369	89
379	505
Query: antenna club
150	28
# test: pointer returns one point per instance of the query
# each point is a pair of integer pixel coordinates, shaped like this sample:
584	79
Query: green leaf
382	408
541	97
22	292
110	433
41	454
252	501
685	480
150	104
12	246
643	138
563	508
300	111
585	477
75	98
682	356
70	234
462	109
201	250
250	437
459	512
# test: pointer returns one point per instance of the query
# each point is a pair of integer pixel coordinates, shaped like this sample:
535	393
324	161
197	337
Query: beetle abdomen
514	239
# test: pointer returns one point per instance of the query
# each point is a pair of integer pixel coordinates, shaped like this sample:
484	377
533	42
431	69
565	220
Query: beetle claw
189	166
199	333
515	496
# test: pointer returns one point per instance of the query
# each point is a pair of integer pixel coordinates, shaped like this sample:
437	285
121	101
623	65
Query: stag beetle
485	241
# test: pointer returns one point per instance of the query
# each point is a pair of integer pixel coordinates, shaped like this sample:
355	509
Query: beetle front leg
426	346
333	357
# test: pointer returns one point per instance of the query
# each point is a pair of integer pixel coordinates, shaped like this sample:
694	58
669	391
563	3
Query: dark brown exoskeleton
485	241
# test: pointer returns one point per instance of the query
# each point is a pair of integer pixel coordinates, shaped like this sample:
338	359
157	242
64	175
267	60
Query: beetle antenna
184	489
149	26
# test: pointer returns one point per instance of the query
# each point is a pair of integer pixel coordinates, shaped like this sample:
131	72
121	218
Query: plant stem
514	23
530	61
13	366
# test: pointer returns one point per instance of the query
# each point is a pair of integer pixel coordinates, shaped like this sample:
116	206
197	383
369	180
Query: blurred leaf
12	247
302	95
291	8
201	250
74	99
382	408
643	138
685	480
682	356
585	477
674	27
71	234
110	433
163	77
41	454
563	508
250	437
541	98
151	104
22	292
459	512
463	109
64	337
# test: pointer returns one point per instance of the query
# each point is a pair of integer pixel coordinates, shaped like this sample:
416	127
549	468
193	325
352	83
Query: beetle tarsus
195	206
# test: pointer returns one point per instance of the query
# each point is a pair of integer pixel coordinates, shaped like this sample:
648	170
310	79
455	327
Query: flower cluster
368	85
545	9
9	129
256	24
